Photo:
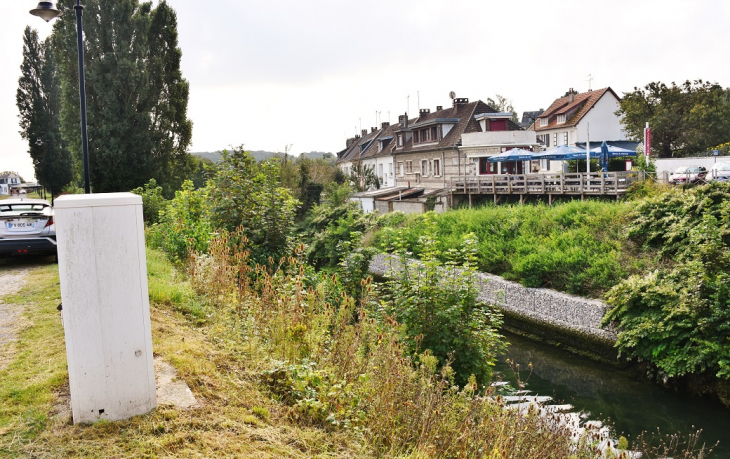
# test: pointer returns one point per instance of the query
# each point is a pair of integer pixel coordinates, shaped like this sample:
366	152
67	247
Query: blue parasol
515	154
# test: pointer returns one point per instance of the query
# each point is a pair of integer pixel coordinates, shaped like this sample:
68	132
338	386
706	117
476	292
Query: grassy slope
33	421
576	247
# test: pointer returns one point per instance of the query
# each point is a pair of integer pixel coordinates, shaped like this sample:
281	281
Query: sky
305	76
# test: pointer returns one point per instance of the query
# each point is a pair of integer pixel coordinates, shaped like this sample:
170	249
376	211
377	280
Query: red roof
574	111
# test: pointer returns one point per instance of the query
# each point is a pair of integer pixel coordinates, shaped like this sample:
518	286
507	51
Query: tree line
137	98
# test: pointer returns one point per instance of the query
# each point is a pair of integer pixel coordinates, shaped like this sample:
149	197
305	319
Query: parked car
688	174
720	172
26	227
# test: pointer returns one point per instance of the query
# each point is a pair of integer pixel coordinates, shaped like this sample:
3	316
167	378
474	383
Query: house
580	117
8	181
351	158
426	150
477	147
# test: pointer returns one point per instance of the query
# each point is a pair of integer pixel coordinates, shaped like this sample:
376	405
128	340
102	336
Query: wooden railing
581	183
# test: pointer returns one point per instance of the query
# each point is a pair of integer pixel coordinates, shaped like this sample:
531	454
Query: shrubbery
184	226
678	316
438	308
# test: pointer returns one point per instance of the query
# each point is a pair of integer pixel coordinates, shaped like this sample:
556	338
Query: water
631	403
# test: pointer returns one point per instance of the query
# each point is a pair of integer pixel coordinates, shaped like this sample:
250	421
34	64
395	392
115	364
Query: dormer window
561	119
400	140
543	122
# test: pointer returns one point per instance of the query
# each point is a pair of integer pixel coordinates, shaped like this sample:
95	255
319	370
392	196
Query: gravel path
11	281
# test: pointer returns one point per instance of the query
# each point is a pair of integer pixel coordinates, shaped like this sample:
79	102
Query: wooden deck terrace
576	184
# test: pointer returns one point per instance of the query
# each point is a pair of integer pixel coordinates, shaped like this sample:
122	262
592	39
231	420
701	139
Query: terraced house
424	151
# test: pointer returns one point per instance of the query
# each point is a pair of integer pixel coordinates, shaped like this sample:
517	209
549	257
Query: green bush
248	195
184	225
330	226
153	202
438	308
678	317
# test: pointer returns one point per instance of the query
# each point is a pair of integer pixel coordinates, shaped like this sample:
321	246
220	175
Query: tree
249	195
39	105
136	95
363	177
684	120
503	105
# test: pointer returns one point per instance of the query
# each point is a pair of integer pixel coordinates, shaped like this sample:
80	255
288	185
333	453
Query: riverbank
558	318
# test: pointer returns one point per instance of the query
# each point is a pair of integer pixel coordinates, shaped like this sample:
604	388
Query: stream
629	402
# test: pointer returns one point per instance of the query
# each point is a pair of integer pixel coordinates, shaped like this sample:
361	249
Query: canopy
613	152
515	154
559	152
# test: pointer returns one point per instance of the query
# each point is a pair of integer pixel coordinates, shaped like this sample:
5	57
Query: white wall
604	124
502	138
670	165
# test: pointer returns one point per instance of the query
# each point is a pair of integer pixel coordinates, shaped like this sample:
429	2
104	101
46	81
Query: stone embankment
571	321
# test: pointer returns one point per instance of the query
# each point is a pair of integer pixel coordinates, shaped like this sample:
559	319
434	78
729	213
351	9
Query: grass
233	420
575	247
280	371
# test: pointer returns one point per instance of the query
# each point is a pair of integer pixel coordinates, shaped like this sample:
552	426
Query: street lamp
39	142
47	11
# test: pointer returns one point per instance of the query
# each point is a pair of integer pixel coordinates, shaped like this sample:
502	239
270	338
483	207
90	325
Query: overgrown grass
575	247
283	364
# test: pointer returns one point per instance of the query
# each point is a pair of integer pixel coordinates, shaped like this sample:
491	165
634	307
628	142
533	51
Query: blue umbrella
614	152
604	157
560	152
515	154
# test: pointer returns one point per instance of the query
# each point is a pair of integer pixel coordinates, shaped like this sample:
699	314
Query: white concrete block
106	317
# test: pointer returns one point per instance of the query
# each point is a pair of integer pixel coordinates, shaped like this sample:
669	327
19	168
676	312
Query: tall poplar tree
39	104
136	96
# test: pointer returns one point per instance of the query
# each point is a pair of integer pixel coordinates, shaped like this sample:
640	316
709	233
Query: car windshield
23	207
721	167
687	170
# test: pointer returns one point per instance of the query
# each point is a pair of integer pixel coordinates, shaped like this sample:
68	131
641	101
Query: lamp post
39	142
47	11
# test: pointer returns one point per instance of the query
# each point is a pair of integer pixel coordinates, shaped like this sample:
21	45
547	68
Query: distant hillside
260	155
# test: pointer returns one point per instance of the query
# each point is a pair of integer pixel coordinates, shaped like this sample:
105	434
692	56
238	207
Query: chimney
571	95
364	132
405	120
459	101
373	129
424	112
385	124
349	142
400	119
439	108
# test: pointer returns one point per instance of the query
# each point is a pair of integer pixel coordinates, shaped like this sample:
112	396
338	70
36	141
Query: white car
720	172
26	227
686	175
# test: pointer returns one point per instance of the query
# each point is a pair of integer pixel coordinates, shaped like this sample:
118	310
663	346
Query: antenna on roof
418	98
452	94
590	81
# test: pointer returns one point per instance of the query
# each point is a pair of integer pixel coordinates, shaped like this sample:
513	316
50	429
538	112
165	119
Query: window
565	139
380	172
400	140
424	167
434	133
561	119
401	169
409	167
390	169
555	139
415	137
543	122
437	168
